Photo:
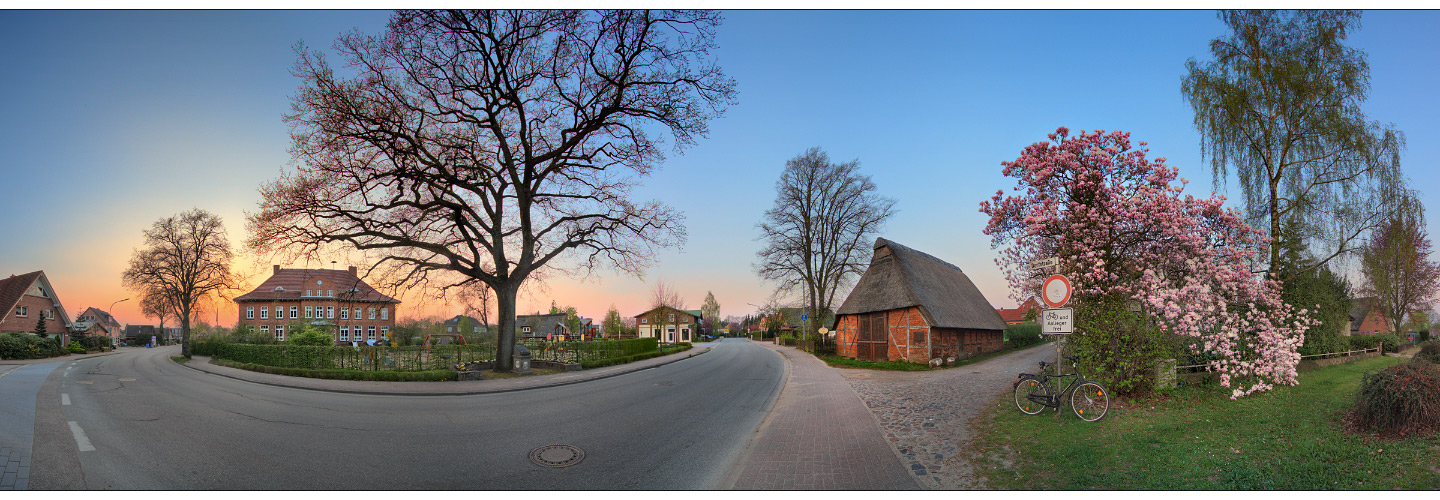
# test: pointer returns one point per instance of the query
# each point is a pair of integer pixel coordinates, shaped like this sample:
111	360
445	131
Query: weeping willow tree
1279	106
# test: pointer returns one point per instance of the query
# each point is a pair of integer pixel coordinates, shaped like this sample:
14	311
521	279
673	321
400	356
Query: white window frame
264	328
329	293
249	312
294	312
344	334
329	312
370	333
384	331
22	311
280	333
524	329
309	312
372	313
672	317
264	312
644	321
344	313
384	313
250	328
357	313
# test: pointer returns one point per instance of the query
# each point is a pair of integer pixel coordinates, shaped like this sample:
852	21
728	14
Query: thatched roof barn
912	306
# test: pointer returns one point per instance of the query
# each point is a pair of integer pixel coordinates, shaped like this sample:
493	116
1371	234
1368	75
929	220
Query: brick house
338	301
1366	318
1017	315
675	324
93	317
543	327
911	306
28	299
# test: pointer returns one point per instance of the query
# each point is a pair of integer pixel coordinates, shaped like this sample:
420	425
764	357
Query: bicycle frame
1056	399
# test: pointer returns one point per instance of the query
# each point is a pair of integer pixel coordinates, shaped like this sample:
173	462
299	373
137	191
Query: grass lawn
1289	438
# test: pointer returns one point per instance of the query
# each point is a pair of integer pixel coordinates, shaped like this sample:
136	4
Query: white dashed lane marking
80	439
65	399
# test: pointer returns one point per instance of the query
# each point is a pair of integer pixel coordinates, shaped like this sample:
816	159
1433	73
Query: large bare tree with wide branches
483	147
186	257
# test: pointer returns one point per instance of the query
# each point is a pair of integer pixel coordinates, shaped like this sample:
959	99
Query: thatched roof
901	277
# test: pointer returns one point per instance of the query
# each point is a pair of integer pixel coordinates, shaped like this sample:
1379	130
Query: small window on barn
917	337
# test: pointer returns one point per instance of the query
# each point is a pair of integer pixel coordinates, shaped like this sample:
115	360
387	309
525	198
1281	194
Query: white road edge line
65	399
80	439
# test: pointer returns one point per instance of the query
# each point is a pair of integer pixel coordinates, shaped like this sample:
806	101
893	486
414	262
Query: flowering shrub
1429	351
1128	239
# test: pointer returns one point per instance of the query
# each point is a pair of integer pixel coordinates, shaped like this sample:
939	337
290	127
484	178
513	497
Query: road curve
153	424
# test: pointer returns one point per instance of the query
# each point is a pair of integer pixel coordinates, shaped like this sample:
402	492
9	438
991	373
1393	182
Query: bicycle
1033	393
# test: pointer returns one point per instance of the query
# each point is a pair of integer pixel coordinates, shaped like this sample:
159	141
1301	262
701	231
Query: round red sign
1056	291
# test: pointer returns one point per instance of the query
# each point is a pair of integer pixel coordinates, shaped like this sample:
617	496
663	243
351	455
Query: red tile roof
296	281
1017	314
14	287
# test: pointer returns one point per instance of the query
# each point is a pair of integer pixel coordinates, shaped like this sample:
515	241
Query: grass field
1290	438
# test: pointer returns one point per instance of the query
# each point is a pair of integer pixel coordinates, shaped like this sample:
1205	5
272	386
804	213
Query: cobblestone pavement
926	415
18	386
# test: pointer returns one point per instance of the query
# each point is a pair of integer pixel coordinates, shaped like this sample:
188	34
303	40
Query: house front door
872	342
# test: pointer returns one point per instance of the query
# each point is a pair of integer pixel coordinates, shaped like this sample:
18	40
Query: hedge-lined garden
28	346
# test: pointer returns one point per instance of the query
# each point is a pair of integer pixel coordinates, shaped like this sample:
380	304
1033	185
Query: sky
110	120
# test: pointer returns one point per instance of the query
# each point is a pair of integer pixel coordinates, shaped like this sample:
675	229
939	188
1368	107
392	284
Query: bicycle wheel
1024	389
1090	401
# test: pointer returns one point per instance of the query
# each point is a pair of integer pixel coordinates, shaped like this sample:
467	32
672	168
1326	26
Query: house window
372	313
525	329
644	320
307	312
672	318
684	319
384	331
264	313
250	312
329	293
307	293
329	312
357	313
344	313
280	332
449	328
250	328
22	311
685	335
370	333
49	314
384	313
264	328
344	334
294	312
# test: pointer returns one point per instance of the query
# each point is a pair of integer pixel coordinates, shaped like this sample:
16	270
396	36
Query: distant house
452	325
107	323
911	306
1017	315
28	299
140	334
668	324
1366	318
336	301
550	327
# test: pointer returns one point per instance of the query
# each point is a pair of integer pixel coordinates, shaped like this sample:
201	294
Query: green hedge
1389	340
28	346
1023	335
381	376
364	358
597	363
579	352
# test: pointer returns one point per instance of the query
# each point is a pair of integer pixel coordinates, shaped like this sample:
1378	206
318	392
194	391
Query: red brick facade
909	338
338	301
1374	323
28	299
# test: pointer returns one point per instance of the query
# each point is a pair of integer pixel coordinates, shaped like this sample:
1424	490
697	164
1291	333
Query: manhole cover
556	455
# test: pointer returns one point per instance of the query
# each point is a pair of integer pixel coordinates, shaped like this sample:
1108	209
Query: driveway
926	415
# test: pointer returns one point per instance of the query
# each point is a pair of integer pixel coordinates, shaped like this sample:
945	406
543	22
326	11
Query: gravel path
926	415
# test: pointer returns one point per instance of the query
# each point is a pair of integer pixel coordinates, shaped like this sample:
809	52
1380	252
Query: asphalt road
153	424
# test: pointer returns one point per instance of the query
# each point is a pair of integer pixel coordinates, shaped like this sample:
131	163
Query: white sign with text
1057	321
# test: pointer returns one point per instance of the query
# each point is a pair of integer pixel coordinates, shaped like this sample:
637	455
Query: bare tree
664	295
1398	271
487	147
710	309
186	257
817	236
1280	105
159	305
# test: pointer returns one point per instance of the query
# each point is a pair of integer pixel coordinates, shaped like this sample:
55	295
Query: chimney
277	268
353	271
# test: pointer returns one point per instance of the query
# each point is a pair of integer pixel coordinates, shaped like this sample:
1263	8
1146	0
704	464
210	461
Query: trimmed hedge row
597	363
1023	335
363	358
593	350
381	376
28	346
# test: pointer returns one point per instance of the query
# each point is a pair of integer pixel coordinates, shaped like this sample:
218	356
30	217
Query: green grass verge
906	366
180	359
633	357
1290	438
383	376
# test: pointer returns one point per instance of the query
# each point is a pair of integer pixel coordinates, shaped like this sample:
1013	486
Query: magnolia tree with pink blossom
1154	269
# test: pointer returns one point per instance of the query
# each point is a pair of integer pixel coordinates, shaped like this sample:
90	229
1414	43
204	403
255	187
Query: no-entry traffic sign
1056	291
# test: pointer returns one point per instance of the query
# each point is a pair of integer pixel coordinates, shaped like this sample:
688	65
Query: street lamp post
111	311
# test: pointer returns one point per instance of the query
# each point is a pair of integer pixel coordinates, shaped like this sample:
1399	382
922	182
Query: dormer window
279	289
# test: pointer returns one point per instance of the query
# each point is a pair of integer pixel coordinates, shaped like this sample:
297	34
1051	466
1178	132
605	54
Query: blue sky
113	119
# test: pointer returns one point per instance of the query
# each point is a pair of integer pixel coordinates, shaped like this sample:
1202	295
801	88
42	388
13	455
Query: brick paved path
926	415
18	386
819	436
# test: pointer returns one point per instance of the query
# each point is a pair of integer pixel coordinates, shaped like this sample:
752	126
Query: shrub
75	347
208	345
1388	340
1023	335
310	335
1119	348
27	346
1399	400
382	376
1429	351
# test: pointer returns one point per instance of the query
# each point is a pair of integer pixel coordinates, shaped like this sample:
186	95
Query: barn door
872	343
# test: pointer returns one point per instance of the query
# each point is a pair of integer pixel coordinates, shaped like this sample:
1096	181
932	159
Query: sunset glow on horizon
114	119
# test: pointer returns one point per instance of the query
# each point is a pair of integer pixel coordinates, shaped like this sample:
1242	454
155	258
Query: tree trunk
185	332
505	309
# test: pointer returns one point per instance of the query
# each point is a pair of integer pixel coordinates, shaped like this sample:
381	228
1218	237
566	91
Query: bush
75	347
208	345
1399	400
1023	335
27	346
596	363
1118	348
309	335
381	376
1429	351
1389	341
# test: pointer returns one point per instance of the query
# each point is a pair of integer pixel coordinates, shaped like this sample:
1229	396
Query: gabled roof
900	277
455	321
1362	308
290	284
14	287
1018	314
696	313
104	317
